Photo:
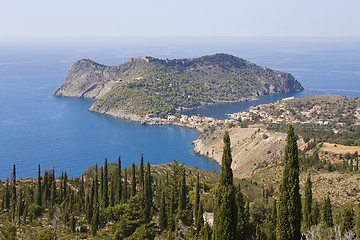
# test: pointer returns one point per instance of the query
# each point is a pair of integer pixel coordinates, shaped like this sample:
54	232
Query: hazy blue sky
24	20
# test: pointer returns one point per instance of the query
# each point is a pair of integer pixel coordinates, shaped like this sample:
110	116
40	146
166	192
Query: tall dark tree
162	213
141	174
13	192
125	190
326	212
347	221
308	203
133	180
197	196
106	186
39	193
95	220
199	219
148	192
243	222
96	185
7	195
289	211
225	207
65	186
269	225
119	192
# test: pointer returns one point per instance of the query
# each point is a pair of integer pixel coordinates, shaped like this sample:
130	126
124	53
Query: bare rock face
88	79
251	148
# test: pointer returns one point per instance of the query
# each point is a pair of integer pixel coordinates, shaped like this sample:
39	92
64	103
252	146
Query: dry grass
339	149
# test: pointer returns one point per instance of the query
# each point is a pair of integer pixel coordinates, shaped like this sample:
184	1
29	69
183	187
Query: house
209	218
171	118
316	108
150	115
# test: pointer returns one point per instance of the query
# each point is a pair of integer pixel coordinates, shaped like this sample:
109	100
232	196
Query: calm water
36	127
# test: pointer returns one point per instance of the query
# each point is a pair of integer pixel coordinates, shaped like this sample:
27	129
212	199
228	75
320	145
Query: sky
78	20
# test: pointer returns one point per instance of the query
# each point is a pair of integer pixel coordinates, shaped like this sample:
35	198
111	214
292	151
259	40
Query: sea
38	128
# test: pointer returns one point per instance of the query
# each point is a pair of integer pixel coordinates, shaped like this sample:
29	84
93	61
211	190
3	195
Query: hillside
252	148
148	85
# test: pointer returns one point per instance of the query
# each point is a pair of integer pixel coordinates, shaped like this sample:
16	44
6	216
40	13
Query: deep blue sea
37	128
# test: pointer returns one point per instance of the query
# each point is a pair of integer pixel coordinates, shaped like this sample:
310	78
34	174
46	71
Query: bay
37	128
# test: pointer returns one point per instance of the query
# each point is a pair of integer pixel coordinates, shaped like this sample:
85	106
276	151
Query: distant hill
148	85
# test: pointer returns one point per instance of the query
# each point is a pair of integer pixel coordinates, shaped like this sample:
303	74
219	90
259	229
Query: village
188	121
279	112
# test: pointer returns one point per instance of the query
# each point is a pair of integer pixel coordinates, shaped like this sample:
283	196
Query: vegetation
170	85
168	202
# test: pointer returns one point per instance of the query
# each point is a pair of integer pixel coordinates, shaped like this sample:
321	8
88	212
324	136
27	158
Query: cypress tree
72	223
225	208
308	203
148	192
289	211
199	219
106	187
102	184
162	213
125	193
119	192
133	180
242	222
96	185
183	193
39	193
315	214
141	175
65	186
197	196
95	220
347	222
326	213
13	195
7	195
61	187
112	195
46	186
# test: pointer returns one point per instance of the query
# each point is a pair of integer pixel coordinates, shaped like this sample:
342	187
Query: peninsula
147	85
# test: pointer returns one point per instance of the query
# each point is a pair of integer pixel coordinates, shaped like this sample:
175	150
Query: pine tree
119	192
289	211
162	213
326	213
133	180
225	207
308	203
141	175
106	186
39	193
